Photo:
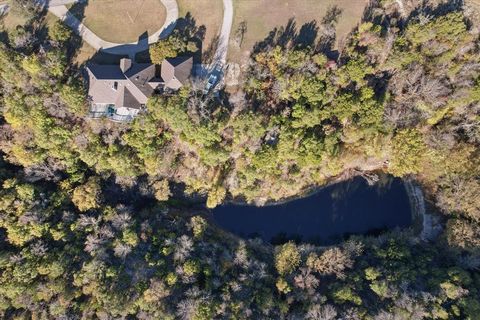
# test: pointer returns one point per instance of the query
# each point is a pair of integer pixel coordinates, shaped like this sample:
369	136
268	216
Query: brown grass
121	21
207	13
263	16
12	19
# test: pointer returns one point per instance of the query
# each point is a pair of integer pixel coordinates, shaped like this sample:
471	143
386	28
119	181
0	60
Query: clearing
262	16
121	21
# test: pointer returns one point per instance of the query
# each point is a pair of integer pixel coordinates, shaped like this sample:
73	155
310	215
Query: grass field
262	16
121	20
12	19
206	13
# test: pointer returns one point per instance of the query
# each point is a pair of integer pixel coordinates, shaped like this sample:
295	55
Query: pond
326	217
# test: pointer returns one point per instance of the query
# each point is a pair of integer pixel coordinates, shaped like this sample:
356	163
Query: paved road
58	8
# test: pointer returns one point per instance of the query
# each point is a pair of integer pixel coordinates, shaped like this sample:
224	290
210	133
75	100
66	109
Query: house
120	92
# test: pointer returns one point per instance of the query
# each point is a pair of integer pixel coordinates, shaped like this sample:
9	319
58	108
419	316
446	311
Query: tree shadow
307	35
187	29
428	10
319	37
373	13
75	42
332	15
27	37
187	26
208	55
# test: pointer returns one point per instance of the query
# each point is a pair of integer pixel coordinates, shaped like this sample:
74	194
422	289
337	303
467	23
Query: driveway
54	3
216	70
58	8
222	50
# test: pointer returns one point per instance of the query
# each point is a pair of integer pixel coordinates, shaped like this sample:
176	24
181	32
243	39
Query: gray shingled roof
176	71
137	84
106	72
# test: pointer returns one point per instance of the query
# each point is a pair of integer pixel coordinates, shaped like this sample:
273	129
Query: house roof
106	72
136	83
176	71
126	98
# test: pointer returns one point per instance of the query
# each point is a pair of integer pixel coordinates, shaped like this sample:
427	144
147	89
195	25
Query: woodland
96	217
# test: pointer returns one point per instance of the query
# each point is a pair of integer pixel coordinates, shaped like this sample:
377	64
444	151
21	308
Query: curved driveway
58	8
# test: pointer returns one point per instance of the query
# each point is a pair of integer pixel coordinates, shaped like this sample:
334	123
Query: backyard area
121	21
259	17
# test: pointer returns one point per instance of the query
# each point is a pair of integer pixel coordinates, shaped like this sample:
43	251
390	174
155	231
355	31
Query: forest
97	221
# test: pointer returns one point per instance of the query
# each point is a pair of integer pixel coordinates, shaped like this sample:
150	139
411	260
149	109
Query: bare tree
319	312
240	33
121	250
183	247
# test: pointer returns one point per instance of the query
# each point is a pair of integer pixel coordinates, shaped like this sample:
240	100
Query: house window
115	85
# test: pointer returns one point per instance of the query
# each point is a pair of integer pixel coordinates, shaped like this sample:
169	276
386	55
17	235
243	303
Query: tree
460	195
59	32
240	32
287	258
198	225
32	64
161	190
463	234
88	195
333	261
171	47
73	95
216	196
407	154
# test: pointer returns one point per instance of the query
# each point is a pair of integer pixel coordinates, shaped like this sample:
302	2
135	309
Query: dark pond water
326	217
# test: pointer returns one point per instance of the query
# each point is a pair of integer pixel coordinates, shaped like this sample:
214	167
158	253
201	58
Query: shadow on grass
320	37
188	29
371	13
75	42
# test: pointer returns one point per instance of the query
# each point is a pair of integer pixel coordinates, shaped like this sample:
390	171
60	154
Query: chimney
125	64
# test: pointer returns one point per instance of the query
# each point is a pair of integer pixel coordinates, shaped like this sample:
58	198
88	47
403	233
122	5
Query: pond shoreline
424	225
310	191
324	215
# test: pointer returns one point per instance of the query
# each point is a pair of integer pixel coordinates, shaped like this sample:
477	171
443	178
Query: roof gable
176	71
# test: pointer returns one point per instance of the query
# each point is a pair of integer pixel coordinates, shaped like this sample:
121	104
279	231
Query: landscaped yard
262	16
121	21
207	13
